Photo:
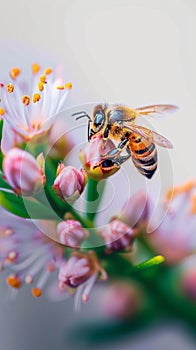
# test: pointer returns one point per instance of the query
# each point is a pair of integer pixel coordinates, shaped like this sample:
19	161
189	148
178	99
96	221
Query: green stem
61	208
94	197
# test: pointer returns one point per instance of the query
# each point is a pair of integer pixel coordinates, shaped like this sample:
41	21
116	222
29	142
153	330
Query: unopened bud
188	283
78	269
71	233
22	172
118	236
69	183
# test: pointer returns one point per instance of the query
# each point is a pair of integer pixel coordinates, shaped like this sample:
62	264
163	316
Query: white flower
31	257
174	237
30	108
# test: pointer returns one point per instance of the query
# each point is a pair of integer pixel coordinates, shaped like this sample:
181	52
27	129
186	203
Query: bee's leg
116	151
121	159
89	130
128	150
105	135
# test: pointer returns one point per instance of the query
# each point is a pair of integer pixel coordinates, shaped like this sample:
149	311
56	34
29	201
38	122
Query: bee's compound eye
107	163
99	119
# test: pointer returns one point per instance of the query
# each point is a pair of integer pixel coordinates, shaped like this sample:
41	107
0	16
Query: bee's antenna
81	114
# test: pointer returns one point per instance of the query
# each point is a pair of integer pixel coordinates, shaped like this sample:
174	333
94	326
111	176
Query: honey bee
118	123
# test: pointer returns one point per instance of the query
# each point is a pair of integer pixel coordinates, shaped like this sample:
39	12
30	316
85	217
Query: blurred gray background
135	52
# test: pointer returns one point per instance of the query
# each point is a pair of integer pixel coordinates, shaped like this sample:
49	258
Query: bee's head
98	120
96	124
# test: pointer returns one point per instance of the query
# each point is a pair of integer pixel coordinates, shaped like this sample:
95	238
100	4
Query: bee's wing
120	113
125	114
156	110
150	135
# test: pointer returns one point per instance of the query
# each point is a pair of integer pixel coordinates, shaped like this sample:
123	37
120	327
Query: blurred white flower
29	108
174	237
27	252
71	233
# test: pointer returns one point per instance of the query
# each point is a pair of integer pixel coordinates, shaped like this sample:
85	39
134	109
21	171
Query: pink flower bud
78	269
122	300
69	183
92	158
188	283
23	173
71	233
118	236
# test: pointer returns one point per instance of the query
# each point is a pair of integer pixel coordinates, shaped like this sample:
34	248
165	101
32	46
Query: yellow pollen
40	86
36	98
2	111
26	100
35	68
14	281
51	267
60	87
48	71
14	72
68	86
188	186
173	192
42	79
10	88
193	204
37	292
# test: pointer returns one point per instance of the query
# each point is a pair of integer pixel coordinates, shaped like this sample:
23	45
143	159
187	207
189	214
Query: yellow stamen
173	192
48	71
35	68
14	72
26	100
37	292
14	281
51	267
2	112
188	186
40	86
193	204
60	87
36	98
42	78
10	88
68	86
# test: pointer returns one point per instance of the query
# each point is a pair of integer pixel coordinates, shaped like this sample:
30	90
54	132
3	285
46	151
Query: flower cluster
41	231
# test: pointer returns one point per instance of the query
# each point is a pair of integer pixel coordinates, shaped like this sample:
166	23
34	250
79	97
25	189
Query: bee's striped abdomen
144	155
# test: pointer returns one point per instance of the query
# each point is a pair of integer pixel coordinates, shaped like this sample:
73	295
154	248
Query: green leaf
156	260
3	184
25	208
